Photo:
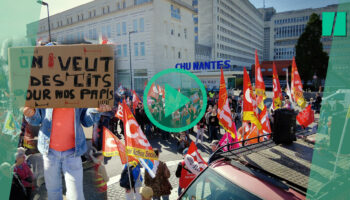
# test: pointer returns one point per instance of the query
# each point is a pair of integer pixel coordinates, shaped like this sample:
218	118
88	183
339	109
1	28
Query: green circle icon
175	100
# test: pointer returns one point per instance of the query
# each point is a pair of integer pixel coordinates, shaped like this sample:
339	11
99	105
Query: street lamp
131	85
48	16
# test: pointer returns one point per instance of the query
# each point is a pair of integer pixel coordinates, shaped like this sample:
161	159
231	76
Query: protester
160	183
213	125
62	141
24	173
318	102
183	142
200	130
184	174
132	191
139	116
287	103
214	146
146	193
101	177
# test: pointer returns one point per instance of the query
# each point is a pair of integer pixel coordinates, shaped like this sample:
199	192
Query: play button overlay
174	100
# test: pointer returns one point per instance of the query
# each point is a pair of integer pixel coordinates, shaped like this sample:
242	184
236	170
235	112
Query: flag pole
126	153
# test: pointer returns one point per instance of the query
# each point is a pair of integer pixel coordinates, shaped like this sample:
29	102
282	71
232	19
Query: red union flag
259	83
224	112
112	146
306	117
277	92
297	86
119	113
249	101
153	92
135	100
265	122
135	140
194	160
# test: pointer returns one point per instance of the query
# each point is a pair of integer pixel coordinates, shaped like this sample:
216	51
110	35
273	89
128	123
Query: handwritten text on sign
66	76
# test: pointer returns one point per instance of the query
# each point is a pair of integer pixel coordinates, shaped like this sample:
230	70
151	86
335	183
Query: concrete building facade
161	33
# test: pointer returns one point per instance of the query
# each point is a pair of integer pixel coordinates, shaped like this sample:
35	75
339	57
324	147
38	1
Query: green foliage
310	57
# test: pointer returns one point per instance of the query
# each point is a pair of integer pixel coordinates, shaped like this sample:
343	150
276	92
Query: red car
259	171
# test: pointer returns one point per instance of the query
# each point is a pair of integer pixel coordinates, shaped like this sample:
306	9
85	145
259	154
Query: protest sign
79	76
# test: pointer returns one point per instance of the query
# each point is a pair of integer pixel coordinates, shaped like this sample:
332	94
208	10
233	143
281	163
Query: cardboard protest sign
80	76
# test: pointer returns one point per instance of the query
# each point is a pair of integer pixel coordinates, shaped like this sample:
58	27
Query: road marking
115	179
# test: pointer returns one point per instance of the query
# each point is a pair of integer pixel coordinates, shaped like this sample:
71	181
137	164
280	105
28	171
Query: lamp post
48	16
131	85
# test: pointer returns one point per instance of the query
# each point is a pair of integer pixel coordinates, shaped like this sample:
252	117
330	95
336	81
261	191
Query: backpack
124	178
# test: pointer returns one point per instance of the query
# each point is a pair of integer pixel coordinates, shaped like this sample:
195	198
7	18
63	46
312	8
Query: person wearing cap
62	142
146	193
214	146
184	174
23	171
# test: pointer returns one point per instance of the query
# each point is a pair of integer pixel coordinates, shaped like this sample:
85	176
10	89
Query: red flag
259	83
306	117
135	100
249	102
135	140
153	92
224	111
193	160
297	86
265	122
119	113
277	92
112	146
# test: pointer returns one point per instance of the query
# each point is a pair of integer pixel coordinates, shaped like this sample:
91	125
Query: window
136	49
107	9
142	25
173	52
106	31
124	4
142	49
179	54
209	182
175	12
118	29
124	28
135	24
119	50
185	33
94	13
270	70
125	50
93	34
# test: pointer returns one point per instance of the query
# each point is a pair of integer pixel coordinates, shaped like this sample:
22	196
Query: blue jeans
164	197
71	166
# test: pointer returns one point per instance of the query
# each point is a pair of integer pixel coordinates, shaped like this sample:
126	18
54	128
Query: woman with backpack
133	191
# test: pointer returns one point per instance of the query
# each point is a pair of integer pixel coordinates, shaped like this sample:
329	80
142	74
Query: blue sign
208	65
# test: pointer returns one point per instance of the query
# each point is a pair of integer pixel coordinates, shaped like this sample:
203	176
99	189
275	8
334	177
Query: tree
310	57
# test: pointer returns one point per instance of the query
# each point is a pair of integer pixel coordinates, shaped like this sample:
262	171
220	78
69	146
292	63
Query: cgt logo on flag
339	25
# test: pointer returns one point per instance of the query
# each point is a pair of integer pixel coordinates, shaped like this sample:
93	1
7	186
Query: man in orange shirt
62	141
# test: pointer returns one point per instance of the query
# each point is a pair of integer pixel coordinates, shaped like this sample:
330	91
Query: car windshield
212	186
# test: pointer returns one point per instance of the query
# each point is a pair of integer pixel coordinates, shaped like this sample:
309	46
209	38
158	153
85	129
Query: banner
306	117
224	111
297	86
136	142
249	101
265	122
135	100
259	83
194	161
153	92
65	76
119	113
112	146
277	92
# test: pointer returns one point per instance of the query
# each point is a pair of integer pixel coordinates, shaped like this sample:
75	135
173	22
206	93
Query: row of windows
179	54
289	31
232	34
228	40
175	12
172	30
233	50
91	14
285	42
139	49
284	53
250	26
241	11
292	20
235	58
229	24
